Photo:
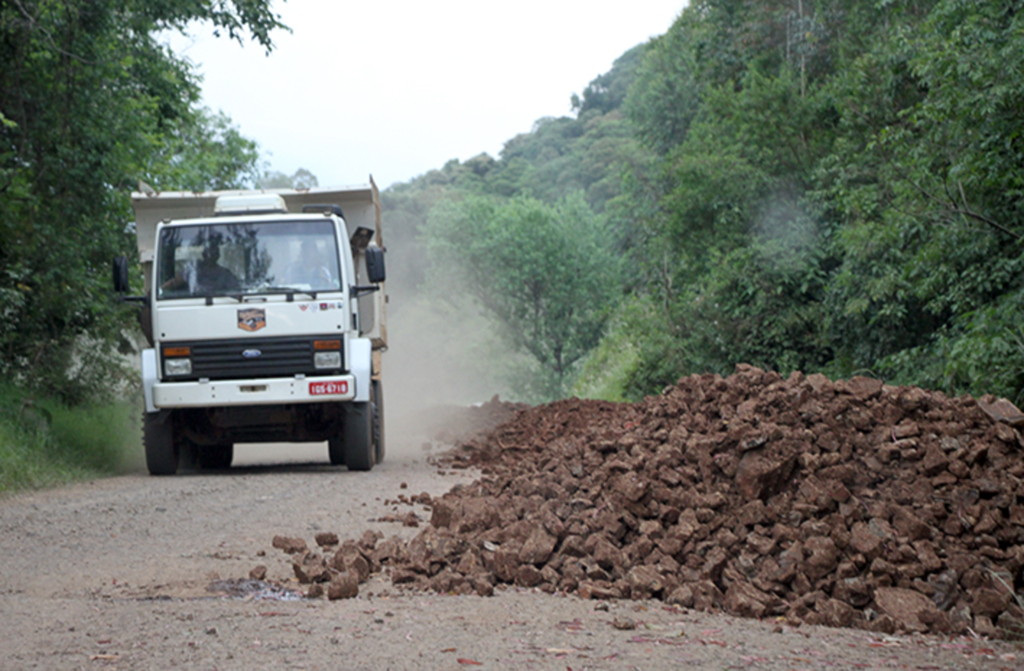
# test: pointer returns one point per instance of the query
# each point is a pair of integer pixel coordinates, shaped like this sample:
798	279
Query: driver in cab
206	276
309	268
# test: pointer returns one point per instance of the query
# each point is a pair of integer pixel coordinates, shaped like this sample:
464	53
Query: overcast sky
395	88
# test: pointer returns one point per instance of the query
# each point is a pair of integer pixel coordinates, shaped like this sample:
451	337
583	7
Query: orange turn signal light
177	351
326	344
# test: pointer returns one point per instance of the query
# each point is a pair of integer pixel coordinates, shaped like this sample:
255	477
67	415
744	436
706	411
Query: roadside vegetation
829	186
44	442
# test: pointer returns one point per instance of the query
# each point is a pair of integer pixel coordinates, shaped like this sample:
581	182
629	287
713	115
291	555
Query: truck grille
238	358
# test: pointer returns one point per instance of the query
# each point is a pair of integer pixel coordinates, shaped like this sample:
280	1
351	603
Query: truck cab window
247	258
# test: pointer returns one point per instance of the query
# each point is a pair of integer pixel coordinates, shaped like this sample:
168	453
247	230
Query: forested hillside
823	186
828	186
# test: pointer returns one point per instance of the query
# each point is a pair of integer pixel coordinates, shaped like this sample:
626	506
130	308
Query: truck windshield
247	258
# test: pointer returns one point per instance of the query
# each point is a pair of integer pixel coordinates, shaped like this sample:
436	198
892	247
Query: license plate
325	388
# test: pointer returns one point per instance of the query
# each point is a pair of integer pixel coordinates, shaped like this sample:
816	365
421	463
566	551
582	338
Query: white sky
398	87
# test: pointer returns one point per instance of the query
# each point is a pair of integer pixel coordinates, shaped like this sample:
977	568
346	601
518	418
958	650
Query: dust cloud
441	358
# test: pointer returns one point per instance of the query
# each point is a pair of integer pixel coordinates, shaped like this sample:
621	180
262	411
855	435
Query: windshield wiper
288	291
209	297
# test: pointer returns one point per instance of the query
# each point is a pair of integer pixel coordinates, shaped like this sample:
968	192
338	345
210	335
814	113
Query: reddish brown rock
327	539
904	606
935	462
908	525
758	477
706	596
528	576
344	585
862	388
593	590
865	541
289	545
351	559
823	557
830	503
538	547
836	613
644	581
990	602
310	567
744	599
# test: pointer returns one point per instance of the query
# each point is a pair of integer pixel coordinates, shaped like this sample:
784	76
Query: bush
44	442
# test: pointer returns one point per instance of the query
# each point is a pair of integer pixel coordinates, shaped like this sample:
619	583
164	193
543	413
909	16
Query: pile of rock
337	573
846	504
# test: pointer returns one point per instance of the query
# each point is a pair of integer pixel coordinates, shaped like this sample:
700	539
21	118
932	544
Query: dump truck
264	316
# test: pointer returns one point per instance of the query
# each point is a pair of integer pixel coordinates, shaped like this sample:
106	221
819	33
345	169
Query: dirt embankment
845	504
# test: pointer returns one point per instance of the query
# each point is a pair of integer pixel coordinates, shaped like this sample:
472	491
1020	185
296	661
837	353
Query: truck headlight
327	359
178	366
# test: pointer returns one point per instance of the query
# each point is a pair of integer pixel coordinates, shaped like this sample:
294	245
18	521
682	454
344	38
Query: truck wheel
358	436
377	397
158	438
216	457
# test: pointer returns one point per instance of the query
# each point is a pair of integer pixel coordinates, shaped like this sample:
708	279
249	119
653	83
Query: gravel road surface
114	574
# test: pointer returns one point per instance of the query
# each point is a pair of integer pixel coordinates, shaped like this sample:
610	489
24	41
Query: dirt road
114	574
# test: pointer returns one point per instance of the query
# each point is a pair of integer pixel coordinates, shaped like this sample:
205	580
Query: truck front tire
358	436
159	440
360	441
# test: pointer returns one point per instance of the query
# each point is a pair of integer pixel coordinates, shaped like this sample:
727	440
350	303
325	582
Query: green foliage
924	187
44	442
830	186
300	179
91	104
843	197
201	151
544	272
981	352
666	96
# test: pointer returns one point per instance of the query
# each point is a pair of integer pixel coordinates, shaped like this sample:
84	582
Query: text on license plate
322	388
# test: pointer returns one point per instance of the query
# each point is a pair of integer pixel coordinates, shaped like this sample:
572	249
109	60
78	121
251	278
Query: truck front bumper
355	386
269	391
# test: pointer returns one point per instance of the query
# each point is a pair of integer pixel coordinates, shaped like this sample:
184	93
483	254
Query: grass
44	443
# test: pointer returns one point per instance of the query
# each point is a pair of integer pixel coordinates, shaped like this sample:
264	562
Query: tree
543	271
91	103
300	179
202	151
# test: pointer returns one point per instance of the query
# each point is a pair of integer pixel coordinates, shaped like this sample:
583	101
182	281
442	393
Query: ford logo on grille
251	353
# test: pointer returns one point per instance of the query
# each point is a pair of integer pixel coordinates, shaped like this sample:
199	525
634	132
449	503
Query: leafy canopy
543	271
92	103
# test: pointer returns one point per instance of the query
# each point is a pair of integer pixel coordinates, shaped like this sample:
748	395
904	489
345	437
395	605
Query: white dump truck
265	317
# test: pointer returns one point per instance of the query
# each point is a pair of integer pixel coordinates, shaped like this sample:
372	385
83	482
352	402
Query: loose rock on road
114	574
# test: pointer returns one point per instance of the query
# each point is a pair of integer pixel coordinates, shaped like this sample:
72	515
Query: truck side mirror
120	274
375	264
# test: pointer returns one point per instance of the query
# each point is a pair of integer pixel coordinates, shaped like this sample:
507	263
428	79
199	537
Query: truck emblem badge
252	319
251	353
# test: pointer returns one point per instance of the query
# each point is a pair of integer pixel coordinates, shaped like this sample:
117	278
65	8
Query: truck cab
264	313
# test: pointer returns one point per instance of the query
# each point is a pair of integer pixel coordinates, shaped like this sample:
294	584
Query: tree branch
968	212
49	37
951	205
